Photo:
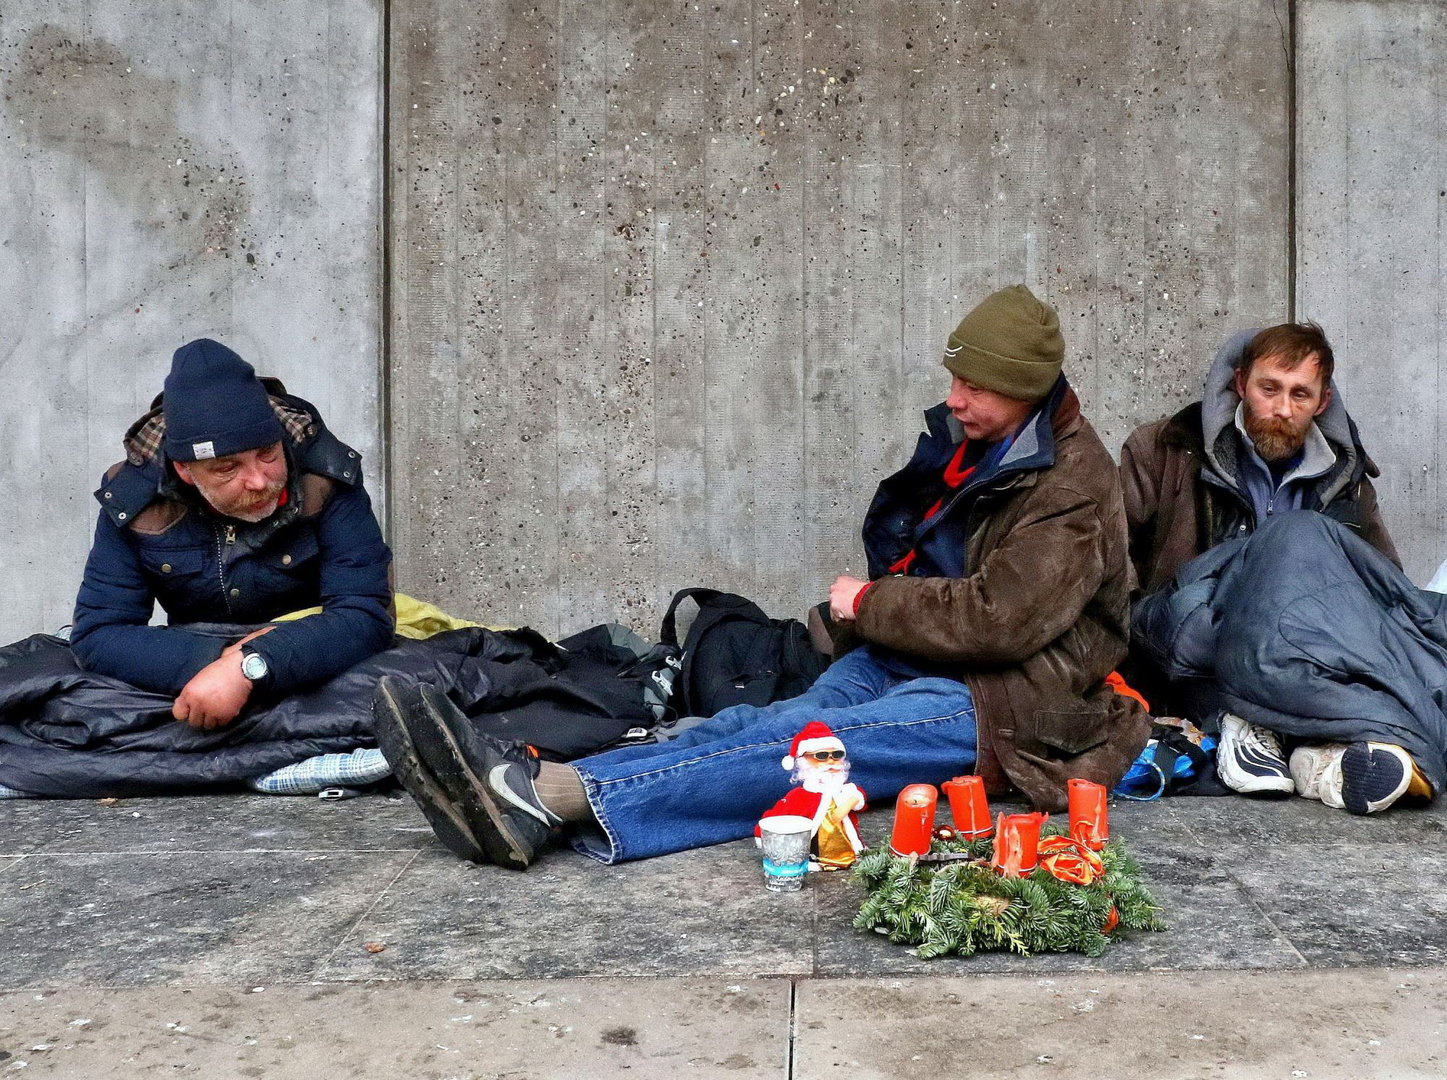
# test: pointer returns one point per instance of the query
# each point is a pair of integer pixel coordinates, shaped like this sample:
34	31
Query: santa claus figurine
825	796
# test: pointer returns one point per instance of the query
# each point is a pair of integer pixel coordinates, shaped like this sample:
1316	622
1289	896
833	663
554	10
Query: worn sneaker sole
1374	775
389	720
443	755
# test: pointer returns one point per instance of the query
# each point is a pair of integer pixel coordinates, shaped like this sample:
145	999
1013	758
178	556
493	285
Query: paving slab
1241	825
229	822
248	888
123	919
644	1029
1346	904
1317	1024
695	913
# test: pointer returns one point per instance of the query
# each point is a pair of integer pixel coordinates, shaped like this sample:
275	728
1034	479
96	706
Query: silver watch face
253	666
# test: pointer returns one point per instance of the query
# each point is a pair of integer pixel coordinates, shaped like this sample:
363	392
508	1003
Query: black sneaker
491	782
392	706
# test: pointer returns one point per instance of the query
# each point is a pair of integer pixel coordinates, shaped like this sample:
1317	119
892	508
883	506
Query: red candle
914	820
1088	821
1017	837
968	807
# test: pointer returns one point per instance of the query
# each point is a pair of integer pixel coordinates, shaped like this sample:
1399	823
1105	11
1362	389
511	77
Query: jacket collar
1031	450
146	476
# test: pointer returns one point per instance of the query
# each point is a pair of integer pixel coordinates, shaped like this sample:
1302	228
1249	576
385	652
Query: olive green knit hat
1010	343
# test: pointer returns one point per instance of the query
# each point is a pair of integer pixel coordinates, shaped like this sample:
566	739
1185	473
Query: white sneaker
1316	772
1249	759
1362	777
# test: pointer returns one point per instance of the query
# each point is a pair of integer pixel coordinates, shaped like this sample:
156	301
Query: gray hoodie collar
1219	402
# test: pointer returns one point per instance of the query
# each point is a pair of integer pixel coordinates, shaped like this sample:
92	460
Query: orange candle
1088	821
968	807
914	820
1017	837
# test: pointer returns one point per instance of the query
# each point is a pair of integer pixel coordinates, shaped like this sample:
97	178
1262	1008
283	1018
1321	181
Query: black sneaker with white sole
490	781
1249	759
395	707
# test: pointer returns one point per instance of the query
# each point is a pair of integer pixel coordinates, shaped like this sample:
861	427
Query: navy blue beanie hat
215	405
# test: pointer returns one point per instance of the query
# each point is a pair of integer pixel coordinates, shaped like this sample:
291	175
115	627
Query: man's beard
1275	440
257	508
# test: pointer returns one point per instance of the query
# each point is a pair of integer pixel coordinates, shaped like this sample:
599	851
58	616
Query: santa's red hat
815	736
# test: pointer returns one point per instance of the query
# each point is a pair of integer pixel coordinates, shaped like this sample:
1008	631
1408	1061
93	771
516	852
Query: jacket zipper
221	563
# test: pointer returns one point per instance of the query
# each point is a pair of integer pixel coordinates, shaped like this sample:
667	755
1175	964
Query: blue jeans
900	724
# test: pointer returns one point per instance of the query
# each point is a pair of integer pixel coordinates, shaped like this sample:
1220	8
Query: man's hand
842	595
215	694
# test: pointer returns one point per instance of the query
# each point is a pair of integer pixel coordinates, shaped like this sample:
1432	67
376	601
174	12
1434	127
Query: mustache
1275	439
272	491
1272	426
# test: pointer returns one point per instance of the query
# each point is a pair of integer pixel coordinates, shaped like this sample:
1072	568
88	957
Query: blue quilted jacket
158	542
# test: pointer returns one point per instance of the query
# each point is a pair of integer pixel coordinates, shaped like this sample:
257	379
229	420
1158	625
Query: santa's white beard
822	778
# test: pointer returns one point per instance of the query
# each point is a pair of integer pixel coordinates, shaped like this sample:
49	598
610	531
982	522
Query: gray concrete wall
1372	193
672	281
173	170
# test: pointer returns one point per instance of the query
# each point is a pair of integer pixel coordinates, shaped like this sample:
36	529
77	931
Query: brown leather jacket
1174	514
1037	622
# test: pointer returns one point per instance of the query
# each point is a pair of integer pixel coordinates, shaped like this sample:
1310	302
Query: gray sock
561	790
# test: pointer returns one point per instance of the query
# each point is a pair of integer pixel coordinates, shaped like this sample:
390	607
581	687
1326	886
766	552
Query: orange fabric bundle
1069	860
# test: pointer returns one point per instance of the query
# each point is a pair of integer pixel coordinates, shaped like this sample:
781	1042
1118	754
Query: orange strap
1119	685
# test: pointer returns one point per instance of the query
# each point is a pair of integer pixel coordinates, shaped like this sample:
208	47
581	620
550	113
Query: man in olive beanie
997	607
1010	344
234	505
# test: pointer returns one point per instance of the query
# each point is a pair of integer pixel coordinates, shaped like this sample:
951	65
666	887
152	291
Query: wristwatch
253	665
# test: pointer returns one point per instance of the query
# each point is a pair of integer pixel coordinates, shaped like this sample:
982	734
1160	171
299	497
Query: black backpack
734	654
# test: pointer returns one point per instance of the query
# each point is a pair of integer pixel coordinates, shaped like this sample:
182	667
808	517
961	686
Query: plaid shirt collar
147	435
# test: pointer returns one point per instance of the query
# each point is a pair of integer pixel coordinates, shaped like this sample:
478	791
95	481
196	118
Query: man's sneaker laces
1249	759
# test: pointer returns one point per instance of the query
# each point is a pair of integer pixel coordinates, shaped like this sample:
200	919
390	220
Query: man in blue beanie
235	505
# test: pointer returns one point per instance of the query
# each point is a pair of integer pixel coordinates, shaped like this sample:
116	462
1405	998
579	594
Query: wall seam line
384	358
1292	154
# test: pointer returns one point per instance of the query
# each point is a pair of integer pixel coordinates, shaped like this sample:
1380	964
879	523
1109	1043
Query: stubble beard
253	510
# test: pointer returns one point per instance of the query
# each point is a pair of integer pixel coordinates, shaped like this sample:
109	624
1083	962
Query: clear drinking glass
785	842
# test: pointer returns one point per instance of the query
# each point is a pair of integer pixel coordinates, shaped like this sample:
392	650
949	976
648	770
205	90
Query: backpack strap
668	632
1172	744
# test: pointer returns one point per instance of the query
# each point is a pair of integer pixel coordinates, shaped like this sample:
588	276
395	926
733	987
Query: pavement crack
1242	888
793	1024
347	934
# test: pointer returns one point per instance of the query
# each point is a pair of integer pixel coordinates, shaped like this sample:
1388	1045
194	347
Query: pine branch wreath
964	908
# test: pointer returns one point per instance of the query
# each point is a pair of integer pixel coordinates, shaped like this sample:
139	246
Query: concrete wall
672	281
659	319
1372	267
173	170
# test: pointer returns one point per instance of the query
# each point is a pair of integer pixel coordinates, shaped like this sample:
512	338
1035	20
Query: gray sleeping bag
1307	630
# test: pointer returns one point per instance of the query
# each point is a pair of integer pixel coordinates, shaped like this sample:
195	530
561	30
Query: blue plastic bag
1187	748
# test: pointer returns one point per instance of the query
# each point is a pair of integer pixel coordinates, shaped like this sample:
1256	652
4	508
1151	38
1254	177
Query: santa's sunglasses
824	755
